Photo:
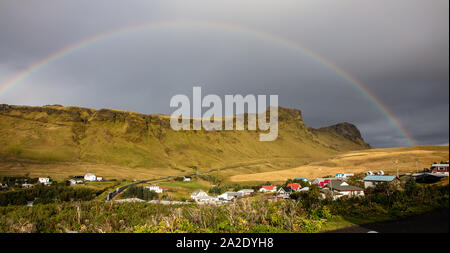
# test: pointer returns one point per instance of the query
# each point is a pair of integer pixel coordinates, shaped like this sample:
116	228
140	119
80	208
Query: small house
372	181
229	196
341	188
322	182
246	192
268	188
186	178
197	194
285	192
304	189
344	175
90	177
99	179
155	188
295	186
27	185
3	186
380	173
74	181
439	168
44	180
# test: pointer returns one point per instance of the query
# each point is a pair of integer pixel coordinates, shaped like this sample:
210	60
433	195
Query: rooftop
379	178
343	186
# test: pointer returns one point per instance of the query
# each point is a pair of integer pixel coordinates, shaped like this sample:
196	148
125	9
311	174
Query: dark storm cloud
397	49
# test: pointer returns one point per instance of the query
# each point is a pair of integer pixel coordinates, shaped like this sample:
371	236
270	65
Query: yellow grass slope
409	159
65	141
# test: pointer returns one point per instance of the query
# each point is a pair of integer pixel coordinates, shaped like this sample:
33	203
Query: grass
183	190
63	141
357	162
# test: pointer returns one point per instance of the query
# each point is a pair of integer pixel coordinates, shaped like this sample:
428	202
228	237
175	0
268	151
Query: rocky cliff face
346	130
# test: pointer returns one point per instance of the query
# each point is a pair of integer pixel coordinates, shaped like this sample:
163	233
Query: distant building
372	181
304	189
99	179
3	186
186	178
285	192
74	181
90	177
439	168
246	192
369	173
295	186
197	194
341	188
155	188
344	175
44	180
229	195
380	173
268	188
322	182
27	185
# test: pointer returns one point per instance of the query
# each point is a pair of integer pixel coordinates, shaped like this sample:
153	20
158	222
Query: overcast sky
399	50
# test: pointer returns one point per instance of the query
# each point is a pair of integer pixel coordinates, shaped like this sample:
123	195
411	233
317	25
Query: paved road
432	222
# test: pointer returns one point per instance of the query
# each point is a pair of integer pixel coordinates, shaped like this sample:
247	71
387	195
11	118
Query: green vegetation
41	194
139	192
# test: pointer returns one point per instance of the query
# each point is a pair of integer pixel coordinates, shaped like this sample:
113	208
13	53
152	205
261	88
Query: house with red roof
268	188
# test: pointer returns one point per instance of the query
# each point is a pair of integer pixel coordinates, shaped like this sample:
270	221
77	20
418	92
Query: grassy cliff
57	134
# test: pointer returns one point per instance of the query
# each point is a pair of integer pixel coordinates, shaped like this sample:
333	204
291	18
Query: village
335	187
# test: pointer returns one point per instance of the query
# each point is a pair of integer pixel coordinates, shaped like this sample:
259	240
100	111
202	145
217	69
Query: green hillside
57	134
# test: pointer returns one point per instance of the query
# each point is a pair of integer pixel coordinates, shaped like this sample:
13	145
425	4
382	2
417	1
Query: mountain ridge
56	133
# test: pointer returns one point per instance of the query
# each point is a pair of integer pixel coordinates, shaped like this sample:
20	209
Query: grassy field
61	141
409	159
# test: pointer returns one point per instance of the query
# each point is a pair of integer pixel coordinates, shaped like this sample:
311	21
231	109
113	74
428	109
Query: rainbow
15	80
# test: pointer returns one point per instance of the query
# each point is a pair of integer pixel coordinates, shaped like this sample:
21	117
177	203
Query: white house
27	185
44	180
246	192
75	181
369	173
268	188
344	175
285	192
380	173
155	188
229	195
185	178
90	177
99	179
197	194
